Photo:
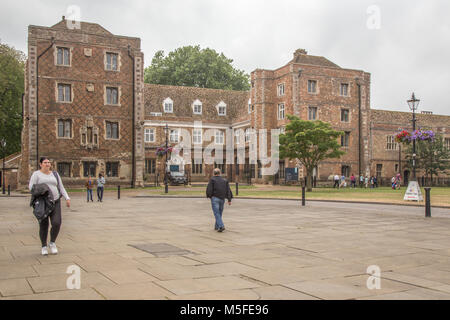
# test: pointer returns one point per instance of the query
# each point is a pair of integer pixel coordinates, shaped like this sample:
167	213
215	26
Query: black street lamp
3	143
413	104
166	184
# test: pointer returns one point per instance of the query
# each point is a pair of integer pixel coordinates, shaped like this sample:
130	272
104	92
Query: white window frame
149	135
219	137
197	104
174	135
249	105
390	143
222	106
281	111
168	102
197	136
247	135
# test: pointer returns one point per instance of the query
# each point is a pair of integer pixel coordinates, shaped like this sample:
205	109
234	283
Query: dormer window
222	108
197	107
168	105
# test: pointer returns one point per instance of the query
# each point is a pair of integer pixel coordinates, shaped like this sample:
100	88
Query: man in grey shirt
100	185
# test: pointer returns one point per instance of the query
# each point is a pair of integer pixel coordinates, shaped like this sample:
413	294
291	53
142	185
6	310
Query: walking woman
100	185
53	181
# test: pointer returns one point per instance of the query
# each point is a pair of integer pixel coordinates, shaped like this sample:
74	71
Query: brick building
90	112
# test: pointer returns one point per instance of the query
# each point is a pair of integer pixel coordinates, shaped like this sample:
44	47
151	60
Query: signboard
291	174
413	192
174	168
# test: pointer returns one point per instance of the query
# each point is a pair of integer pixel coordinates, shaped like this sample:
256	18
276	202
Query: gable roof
86	27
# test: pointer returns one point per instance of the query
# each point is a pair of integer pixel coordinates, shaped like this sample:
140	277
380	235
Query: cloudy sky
405	45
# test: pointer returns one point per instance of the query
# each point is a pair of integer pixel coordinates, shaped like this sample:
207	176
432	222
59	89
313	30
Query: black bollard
9	190
303	196
118	192
427	202
237	188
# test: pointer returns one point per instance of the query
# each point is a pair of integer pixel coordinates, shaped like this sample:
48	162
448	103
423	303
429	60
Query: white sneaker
44	251
53	248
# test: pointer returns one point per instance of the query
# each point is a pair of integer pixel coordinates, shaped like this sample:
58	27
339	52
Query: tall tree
431	156
194	67
310	142
12	64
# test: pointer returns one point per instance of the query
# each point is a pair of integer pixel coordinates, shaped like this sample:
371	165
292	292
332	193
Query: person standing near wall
89	185
53	181
100	186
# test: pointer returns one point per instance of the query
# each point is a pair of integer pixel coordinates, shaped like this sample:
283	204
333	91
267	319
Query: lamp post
413	104
166	184
3	143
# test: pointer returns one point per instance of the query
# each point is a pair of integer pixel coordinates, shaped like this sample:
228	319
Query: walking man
89	185
218	190
100	185
336	181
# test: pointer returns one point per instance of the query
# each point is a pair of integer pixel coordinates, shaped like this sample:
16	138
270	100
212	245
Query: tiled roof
183	98
313	60
404	118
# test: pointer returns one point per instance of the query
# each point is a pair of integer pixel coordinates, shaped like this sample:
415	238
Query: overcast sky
405	45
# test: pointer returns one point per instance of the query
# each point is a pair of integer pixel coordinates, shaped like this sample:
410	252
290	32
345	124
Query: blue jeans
217	207
100	193
89	192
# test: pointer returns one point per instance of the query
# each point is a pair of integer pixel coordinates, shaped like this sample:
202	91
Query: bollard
118	192
427	202
237	188
9	190
303	196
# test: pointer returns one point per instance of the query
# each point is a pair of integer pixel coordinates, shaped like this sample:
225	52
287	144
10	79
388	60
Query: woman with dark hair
54	182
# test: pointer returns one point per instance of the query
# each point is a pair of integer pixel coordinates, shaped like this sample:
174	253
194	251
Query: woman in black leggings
53	181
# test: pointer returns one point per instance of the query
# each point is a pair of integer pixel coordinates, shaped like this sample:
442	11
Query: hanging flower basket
162	151
422	135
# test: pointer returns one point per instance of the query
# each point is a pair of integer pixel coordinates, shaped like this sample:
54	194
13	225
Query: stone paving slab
271	249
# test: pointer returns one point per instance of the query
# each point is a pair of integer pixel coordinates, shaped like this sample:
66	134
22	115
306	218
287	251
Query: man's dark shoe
220	229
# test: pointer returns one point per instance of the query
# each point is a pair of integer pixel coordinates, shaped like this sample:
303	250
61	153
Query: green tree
431	156
310	142
194	67
12	64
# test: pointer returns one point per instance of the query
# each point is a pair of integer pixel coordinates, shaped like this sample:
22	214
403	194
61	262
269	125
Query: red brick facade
94	111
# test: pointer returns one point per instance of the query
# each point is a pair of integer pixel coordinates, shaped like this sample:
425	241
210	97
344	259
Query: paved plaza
156	248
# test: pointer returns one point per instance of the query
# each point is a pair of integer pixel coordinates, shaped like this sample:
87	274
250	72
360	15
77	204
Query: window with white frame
344	89
174	135
281	89
197	106
63	57
197	136
149	135
222	108
168	105
281	111
112	61
390	143
64	92
249	106
220	137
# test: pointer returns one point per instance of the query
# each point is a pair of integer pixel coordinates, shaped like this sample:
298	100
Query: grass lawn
440	196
